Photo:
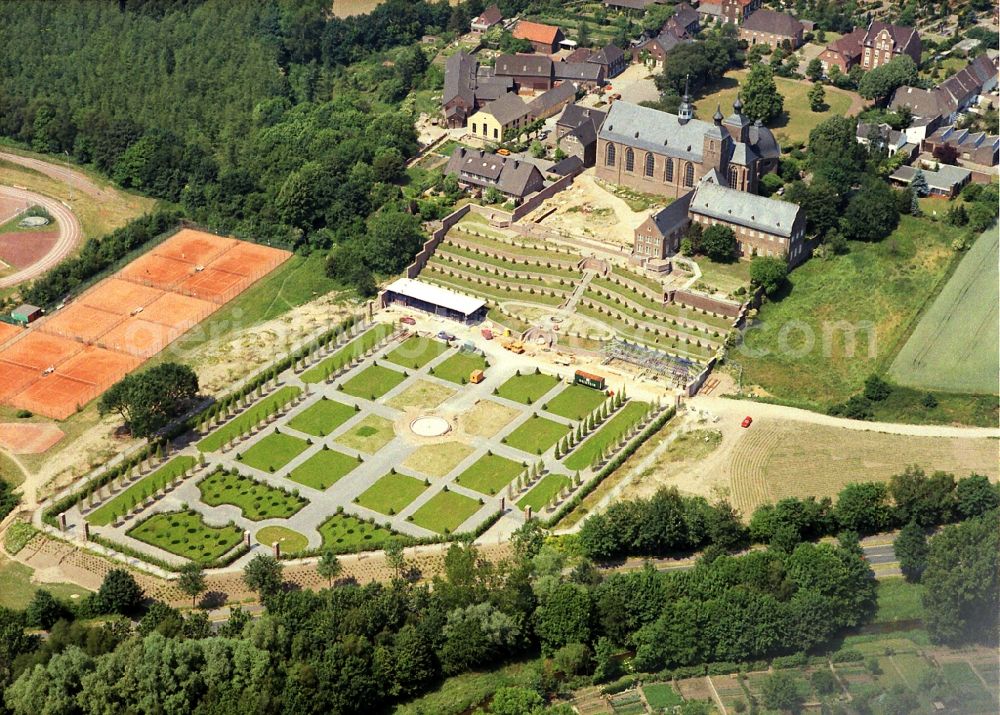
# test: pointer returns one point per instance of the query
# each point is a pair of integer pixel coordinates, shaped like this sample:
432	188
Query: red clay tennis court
125	319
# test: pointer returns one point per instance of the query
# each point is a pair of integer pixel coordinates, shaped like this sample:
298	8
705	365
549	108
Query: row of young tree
669	524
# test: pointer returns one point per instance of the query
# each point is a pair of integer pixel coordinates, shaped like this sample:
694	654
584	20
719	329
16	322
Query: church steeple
685	112
717	117
737	124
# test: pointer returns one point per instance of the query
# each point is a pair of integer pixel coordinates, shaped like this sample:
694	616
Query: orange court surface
68	358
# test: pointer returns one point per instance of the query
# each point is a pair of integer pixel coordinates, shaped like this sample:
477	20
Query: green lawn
536	435
292	542
416	352
255	499
490	474
373	382
391	494
527	389
724	277
542	493
445	512
148	485
273	452
369	435
661	695
899	600
18	588
606	435
575	402
847	314
354	349
323	469
248	418
343	531
185	533
459	366
322	418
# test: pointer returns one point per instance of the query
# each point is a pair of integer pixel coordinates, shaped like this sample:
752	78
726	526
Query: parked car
747	421
503	152
447	337
487	333
408	320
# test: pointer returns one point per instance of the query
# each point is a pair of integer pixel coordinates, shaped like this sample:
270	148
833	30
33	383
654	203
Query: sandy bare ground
70	234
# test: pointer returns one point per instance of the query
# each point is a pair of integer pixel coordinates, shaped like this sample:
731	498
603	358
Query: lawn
323	469
661	695
255	499
322	418
185	534
145	487
369	435
18	588
724	277
273	452
346	532
575	402
445	512
542	493
256	413
954	347
373	382
437	460
843	318
795	122
527	389
416	352
536	435
459	366
490	474
421	395
345	355
899	600
486	418
391	494
607	435
292	542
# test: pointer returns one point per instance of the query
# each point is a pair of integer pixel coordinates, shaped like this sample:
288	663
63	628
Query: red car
487	333
747	421
408	320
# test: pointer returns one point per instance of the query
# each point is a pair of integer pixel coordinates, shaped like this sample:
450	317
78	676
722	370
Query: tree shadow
213	599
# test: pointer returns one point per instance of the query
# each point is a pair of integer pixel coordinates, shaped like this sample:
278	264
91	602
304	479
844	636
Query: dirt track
70	234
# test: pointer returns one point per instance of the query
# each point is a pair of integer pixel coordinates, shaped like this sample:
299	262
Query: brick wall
703	302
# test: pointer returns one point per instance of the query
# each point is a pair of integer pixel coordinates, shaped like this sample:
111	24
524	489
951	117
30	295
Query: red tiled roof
535	32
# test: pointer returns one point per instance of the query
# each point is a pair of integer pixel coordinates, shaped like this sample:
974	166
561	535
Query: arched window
734	178
689	175
668	171
649	165
629	159
610	155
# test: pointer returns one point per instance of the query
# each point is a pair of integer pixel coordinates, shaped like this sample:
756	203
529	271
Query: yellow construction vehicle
515	346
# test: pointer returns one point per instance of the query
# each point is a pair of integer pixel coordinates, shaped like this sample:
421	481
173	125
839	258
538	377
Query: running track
70	234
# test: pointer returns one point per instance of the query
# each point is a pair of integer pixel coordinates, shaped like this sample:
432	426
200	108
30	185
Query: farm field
781	459
373	382
575	402
323	469
347	532
185	534
151	483
391	494
257	501
536	435
606	435
322	418
490	474
954	347
246	420
445	512
273	452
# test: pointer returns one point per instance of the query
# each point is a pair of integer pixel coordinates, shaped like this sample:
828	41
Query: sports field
73	355
956	345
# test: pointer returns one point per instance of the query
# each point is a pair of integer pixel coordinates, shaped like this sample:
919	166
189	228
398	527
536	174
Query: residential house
973	147
767	27
611	58
684	20
576	132
975	79
930	109
580	54
659	236
491	16
467	87
544	38
509	113
883	42
882	136
667	154
552	102
945	182
480	170
653	52
533	73
586	76
727	12
843	53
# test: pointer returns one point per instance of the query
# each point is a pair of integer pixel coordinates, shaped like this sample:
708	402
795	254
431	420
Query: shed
24	314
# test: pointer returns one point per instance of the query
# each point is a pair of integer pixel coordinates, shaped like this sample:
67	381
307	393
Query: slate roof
775	23
490	16
653	130
511	176
849	44
490	88
536	32
580	54
459	78
507	108
567	166
900	35
945	178
560	94
684	15
579	71
963	138
672	216
756	212
885	132
608	55
969	81
927	103
523	66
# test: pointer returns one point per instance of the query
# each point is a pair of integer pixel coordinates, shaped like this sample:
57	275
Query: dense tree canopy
148	400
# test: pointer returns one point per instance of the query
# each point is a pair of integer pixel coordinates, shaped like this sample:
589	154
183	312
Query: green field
459	366
841	318
606	435
323	469
955	345
148	485
255	499
527	389
354	349
661	695
536	435
575	402
542	493
445	511
19	588
391	494
292	542
373	382
416	352
490	474
248	418
369	435
185	534
899	600
273	452
322	418
343	531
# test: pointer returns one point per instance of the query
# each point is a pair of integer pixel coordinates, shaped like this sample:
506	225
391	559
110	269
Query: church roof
749	210
655	131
